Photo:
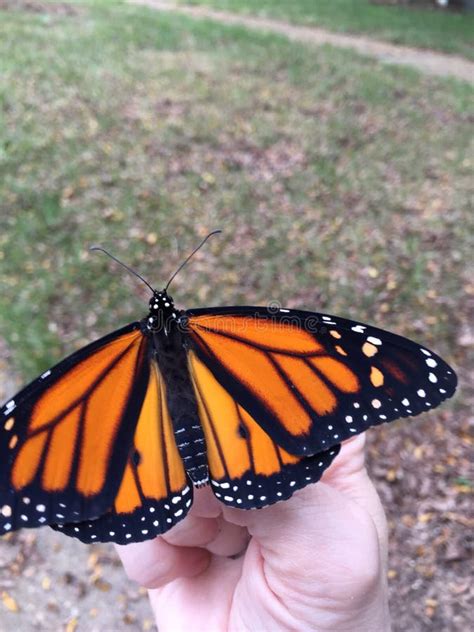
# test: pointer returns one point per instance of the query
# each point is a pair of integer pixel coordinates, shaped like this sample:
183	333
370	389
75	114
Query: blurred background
342	184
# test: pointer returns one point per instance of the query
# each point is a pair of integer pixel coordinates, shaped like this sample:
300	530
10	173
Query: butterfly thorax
163	314
169	339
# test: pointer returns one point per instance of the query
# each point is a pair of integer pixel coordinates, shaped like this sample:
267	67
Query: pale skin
314	562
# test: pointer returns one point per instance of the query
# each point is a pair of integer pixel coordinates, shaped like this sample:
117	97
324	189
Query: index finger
154	563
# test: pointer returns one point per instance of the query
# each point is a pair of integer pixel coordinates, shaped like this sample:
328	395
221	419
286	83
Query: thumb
323	543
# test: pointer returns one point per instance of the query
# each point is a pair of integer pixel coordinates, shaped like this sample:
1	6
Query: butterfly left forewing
247	468
63	439
155	492
312	380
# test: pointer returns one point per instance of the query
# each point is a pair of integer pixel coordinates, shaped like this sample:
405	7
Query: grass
422	27
341	185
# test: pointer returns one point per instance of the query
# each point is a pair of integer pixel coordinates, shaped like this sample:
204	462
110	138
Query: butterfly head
162	311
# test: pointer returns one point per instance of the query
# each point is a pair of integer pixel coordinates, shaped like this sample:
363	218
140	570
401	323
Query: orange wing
64	439
312	380
248	469
155	492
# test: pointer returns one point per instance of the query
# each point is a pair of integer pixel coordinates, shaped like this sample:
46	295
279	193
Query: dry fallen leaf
72	624
9	602
46	583
151	239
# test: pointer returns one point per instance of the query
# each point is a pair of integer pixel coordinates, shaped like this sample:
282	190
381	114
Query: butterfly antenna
214	232
123	265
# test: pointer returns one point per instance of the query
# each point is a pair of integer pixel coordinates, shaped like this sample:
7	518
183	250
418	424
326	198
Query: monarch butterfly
109	444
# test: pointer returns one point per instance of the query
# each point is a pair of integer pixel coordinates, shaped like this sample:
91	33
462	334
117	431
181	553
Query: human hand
314	562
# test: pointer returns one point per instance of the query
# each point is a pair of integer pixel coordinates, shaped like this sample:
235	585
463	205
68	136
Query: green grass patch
425	28
341	185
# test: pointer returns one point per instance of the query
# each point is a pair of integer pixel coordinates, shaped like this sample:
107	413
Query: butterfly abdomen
182	405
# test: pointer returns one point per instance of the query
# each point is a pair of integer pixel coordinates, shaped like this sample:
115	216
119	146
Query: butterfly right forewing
313	380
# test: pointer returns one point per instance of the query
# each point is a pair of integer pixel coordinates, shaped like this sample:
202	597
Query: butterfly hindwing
312	380
155	492
64	438
247	468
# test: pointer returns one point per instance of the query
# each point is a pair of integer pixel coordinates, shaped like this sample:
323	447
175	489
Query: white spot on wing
374	341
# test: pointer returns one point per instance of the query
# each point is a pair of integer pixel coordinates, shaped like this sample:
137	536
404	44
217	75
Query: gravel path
426	61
